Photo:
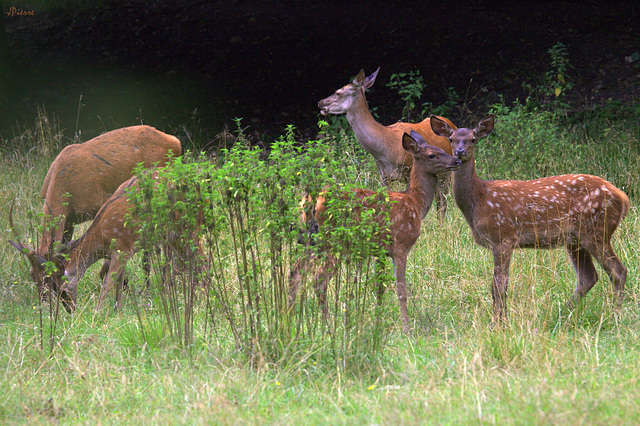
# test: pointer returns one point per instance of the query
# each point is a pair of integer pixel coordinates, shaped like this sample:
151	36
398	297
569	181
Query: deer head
343	99
46	272
463	145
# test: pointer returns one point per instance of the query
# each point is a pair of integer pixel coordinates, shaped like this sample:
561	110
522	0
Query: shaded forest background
95	66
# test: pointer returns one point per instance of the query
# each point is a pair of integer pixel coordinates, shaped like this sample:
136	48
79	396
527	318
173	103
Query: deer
579	211
112	235
83	176
407	210
384	143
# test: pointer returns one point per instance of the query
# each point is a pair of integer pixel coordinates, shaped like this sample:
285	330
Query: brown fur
109	237
578	211
407	211
85	175
384	143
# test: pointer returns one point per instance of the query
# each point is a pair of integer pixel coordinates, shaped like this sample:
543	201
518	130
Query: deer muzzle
324	106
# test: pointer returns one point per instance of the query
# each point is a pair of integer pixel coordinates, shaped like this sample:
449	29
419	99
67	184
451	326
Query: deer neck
422	189
80	259
467	186
367	130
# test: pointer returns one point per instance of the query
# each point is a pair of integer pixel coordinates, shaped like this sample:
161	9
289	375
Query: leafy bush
246	211
551	88
409	86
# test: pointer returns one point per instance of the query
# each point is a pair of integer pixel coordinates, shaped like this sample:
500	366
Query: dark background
96	67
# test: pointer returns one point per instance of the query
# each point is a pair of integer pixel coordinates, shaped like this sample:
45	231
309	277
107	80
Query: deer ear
418	138
359	79
29	253
485	126
36	261
440	127
368	82
410	144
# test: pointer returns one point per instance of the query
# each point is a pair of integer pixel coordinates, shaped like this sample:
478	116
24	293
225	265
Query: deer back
549	211
543	212
90	172
109	232
84	176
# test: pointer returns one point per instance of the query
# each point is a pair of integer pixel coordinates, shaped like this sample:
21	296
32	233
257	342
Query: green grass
547	365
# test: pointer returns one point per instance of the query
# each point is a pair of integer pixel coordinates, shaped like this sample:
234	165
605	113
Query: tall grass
548	364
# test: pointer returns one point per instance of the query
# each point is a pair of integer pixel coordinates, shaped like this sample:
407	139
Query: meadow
222	348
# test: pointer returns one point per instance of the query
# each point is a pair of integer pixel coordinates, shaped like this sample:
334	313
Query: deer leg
125	281
115	274
444	183
69	294
400	266
501	261
585	270
323	276
104	269
614	268
146	267
67	233
378	266
295	278
301	268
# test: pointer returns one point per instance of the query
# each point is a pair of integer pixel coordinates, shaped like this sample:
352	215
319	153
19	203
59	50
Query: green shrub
246	210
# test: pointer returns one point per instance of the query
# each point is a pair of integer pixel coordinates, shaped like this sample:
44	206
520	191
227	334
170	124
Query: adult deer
384	143
109	237
578	211
408	208
83	176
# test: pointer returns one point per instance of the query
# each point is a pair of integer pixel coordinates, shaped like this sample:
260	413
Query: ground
203	63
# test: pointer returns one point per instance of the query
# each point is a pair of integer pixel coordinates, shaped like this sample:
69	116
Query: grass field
549	364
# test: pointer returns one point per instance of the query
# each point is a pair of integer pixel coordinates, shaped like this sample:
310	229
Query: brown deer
109	237
384	143
83	176
578	211
408	209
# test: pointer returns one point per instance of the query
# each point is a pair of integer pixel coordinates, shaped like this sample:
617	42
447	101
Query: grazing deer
408	209
384	142
109	237
83	176
578	211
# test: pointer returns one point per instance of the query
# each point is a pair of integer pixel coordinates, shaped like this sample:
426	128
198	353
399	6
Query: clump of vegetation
246	211
552	87
409	86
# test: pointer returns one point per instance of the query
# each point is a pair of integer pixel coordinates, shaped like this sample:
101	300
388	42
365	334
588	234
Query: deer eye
431	156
